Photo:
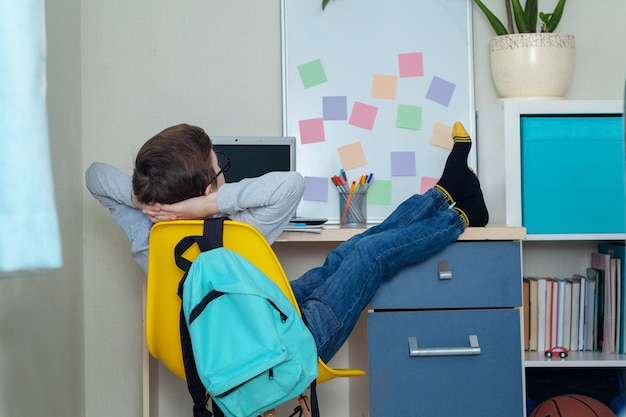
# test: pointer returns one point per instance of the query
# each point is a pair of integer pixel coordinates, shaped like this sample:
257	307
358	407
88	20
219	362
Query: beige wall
119	71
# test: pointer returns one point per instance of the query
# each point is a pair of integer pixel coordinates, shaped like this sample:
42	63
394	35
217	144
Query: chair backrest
163	303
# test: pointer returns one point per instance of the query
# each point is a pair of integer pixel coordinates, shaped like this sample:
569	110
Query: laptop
253	156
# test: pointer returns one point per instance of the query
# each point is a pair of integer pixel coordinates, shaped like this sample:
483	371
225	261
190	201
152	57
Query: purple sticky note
335	107
403	164
315	189
440	91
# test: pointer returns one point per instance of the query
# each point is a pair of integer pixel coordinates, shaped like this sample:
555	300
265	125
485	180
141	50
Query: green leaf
520	17
496	24
324	4
531	10
555	18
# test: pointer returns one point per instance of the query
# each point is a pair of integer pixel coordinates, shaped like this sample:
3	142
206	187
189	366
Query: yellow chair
163	303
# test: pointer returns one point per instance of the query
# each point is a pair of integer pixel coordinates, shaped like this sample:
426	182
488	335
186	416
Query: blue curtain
29	231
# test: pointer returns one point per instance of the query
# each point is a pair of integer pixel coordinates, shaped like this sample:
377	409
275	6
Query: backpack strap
315	409
210	239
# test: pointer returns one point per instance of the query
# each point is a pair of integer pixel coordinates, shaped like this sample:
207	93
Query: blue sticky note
403	164
315	189
335	107
440	91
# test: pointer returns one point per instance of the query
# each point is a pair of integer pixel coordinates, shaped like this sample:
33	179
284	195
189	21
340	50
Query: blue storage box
573	174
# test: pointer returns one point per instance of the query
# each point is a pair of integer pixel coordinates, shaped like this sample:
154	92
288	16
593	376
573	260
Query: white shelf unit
500	172
499	151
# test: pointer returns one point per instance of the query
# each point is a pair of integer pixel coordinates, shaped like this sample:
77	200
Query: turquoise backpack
244	344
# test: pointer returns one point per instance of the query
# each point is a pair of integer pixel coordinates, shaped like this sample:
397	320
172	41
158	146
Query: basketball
572	405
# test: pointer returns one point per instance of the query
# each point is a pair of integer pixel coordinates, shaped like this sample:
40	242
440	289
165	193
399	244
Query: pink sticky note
312	130
411	64
427	184
384	86
352	156
363	115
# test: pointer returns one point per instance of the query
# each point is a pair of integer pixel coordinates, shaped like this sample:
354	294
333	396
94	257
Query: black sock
473	210
458	181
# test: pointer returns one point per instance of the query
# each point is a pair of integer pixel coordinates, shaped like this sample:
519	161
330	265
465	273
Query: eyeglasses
223	162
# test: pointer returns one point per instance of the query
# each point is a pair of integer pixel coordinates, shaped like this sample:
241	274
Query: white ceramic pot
532	65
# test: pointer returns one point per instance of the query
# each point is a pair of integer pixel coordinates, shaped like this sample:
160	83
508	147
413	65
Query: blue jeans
333	296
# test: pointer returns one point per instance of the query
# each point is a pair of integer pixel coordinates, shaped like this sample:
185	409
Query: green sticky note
312	73
409	117
379	193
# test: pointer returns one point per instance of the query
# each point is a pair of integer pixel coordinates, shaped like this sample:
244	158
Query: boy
177	175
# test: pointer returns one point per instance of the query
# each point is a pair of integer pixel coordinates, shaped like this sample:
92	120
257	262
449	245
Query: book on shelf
558	319
567	313
554	316
617	252
541	313
590	302
574	309
549	313
604	288
532	312
581	310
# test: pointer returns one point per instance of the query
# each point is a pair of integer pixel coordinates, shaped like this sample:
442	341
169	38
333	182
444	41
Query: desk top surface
332	233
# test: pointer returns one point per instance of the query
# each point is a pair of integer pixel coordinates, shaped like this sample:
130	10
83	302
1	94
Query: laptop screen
252	156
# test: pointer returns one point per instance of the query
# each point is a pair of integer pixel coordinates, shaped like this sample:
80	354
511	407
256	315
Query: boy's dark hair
174	165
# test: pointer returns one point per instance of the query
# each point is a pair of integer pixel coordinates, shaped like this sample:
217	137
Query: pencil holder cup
353	209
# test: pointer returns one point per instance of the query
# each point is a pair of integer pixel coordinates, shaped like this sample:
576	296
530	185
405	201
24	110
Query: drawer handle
444	270
473	349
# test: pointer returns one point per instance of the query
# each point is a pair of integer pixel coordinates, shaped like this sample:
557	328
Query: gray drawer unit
464	275
444	336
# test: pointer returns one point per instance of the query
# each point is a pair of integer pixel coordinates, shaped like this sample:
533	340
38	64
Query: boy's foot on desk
459	184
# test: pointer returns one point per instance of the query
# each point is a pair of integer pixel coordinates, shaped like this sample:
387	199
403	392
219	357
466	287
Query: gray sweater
268	203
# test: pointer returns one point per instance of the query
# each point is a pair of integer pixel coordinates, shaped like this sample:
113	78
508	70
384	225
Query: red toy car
559	351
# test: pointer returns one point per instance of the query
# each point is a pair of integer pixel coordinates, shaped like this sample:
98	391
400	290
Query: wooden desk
333	233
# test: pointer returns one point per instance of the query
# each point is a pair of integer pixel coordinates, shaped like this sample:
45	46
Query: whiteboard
375	87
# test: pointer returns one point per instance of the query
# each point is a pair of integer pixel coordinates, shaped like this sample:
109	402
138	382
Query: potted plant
535	62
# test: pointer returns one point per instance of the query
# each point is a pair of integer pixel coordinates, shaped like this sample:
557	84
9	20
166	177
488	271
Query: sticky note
384	86
315	189
312	130
363	115
352	156
427	183
403	164
335	108
379	193
440	91
312	73
409	117
442	136
411	65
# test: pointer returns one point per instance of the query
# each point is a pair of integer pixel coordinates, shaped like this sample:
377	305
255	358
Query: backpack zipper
283	316
270	376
